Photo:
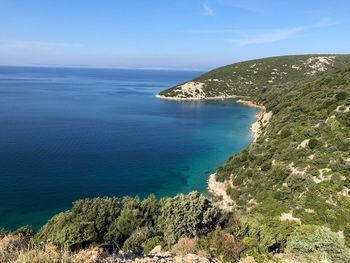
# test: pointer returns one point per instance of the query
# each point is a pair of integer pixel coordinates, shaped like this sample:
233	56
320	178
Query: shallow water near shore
68	134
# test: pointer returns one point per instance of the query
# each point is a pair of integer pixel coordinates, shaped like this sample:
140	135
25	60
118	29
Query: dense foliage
129	223
315	243
298	170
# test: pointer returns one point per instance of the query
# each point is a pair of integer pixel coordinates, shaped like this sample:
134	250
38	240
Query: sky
167	34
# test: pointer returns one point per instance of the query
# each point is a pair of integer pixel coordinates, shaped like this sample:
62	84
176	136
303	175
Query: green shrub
347	234
26	231
136	239
127	219
86	223
124	226
342	95
286	133
186	216
266	166
310	242
313	143
222	244
269	233
298	182
151	243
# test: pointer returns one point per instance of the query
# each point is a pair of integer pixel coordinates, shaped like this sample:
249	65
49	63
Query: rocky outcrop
99	255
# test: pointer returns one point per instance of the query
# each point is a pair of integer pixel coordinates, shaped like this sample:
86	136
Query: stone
156	250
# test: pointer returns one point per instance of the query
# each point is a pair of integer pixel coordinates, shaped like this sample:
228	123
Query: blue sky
178	34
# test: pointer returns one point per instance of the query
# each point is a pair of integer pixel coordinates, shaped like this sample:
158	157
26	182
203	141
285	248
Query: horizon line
108	67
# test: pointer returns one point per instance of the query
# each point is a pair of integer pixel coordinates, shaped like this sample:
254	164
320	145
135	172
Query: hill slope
298	170
251	78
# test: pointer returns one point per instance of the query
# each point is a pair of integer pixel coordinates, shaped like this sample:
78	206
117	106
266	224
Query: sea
73	133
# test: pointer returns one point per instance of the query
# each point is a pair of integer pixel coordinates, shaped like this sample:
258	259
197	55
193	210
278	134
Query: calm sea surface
67	134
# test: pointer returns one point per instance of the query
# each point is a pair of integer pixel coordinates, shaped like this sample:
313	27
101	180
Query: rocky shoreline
199	98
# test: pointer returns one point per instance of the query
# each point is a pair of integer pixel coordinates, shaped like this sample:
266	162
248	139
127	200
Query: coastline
215	188
218	189
200	98
262	117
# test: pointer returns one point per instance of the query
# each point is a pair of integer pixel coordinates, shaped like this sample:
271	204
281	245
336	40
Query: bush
26	231
100	211
11	246
86	223
298	182
99	220
312	242
286	133
220	243
124	222
63	230
313	143
185	246
124	226
266	166
267	233
186	216
136	239
3	232
341	95
151	243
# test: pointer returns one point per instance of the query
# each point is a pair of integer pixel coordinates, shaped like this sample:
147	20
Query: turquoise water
74	133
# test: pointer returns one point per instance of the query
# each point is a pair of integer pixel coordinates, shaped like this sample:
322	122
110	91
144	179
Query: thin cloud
275	35
36	45
268	37
208	11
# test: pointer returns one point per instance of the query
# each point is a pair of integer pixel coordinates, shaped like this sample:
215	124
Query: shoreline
261	116
198	98
215	188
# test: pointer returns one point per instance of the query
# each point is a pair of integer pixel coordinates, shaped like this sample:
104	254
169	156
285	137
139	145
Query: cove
68	134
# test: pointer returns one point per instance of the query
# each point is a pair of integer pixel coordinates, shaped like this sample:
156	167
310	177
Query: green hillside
298	170
251	78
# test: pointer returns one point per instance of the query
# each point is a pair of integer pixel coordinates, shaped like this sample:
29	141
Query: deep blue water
67	134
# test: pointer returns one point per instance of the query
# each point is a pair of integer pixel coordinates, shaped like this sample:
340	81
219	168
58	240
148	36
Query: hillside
252	78
298	169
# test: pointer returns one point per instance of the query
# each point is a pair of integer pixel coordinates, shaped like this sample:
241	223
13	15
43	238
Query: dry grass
18	249
11	246
185	246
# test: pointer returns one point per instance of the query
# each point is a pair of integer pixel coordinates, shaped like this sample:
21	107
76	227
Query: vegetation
291	187
129	223
297	171
183	224
315	243
250	79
